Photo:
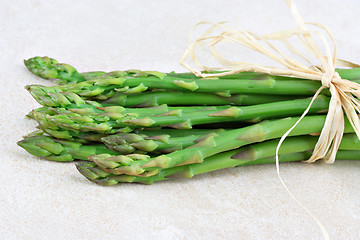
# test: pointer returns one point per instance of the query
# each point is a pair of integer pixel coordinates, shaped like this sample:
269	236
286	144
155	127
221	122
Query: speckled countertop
47	200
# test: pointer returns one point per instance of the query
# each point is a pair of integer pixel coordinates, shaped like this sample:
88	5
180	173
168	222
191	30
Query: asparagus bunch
147	126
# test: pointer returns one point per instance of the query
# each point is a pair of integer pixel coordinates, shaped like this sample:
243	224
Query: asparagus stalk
156	98
41	115
104	88
96	131
49	68
97	175
224	141
111	119
293	149
153	142
173	98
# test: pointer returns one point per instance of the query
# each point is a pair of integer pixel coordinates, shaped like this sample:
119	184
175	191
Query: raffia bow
344	93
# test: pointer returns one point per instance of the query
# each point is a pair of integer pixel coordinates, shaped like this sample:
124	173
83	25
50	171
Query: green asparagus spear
173	98
41	116
293	149
224	141
49	68
111	119
105	88
146	141
46	67
99	176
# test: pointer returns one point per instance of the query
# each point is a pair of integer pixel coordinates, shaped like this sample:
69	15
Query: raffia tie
344	93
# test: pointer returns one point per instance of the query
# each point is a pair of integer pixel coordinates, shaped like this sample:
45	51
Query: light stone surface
48	200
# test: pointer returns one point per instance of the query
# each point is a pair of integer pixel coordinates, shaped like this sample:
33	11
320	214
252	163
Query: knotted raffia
344	93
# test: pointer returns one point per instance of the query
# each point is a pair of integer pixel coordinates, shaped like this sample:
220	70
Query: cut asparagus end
144	122
145	145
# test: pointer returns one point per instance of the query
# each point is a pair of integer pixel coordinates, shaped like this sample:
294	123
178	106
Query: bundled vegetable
147	126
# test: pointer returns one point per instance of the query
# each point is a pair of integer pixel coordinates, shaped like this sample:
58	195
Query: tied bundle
344	93
146	126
